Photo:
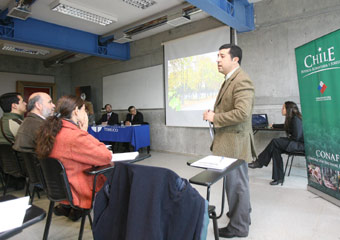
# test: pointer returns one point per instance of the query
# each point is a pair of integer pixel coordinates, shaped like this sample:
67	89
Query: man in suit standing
234	136
109	118
133	117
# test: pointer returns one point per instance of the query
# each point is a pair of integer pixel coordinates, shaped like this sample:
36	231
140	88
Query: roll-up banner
318	71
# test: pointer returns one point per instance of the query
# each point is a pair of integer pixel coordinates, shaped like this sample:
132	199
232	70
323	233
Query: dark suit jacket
296	136
143	202
25	140
113	120
138	119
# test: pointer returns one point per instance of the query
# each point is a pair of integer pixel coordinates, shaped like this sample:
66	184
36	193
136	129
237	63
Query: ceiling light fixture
22	49
82	12
143	4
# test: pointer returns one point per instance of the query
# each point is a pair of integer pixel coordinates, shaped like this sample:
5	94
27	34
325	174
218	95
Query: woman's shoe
75	214
254	164
62	210
276	182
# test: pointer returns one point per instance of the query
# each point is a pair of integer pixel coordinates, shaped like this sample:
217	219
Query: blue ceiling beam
36	32
238	14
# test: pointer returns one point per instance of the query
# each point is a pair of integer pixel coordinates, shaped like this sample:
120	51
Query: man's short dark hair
108	104
235	51
31	102
130	108
7	99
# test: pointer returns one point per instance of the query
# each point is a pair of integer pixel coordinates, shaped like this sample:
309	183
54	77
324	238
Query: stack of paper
214	162
13	213
124	156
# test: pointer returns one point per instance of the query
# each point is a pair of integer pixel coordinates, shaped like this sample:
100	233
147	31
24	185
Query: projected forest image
193	82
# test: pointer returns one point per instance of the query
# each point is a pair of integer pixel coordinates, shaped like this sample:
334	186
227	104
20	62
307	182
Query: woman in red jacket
64	136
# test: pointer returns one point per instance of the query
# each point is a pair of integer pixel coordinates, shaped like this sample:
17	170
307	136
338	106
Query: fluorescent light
22	49
82	12
140	3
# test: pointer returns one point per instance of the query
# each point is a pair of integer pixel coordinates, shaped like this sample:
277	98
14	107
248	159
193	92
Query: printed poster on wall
318	70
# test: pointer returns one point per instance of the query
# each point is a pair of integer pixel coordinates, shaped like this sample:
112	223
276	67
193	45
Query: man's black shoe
225	233
276	182
255	164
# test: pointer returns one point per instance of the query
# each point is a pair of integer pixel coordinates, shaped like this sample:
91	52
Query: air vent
178	19
20	12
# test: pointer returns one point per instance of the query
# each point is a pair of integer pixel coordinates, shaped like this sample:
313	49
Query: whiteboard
142	88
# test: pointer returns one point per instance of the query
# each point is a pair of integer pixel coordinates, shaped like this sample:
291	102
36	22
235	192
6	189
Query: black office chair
290	156
58	189
33	172
10	165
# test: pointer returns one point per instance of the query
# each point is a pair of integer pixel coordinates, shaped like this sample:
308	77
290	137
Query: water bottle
121	123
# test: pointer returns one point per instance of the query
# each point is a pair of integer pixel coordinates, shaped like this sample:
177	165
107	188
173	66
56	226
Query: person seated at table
133	117
109	118
292	143
64	136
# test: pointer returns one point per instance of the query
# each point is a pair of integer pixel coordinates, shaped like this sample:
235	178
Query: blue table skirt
137	136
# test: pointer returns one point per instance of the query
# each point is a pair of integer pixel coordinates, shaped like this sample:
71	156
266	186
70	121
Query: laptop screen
259	120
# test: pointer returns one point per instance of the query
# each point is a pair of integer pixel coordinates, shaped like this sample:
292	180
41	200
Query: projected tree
193	81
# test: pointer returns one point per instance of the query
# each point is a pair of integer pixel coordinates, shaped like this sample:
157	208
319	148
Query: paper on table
13	213
123	156
214	162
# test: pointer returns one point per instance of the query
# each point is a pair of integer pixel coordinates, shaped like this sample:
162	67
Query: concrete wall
269	51
62	75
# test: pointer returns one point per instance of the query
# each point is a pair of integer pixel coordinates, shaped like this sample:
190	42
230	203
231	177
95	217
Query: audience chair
33	172
10	165
58	189
207	178
290	156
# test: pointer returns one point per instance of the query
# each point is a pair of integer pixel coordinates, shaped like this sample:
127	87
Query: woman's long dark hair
292	110
52	125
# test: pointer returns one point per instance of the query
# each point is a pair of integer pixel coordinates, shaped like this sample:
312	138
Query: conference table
137	135
267	129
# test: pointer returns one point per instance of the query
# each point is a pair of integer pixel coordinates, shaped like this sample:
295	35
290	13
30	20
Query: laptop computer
259	120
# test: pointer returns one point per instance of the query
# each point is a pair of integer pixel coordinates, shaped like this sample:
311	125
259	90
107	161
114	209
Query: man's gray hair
31	103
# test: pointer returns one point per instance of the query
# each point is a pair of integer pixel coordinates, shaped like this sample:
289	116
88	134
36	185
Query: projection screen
192	80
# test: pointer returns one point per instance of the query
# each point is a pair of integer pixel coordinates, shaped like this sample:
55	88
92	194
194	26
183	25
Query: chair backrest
9	162
32	167
57	184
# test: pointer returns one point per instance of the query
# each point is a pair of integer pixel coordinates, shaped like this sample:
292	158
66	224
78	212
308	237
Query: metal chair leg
214	218
48	220
90	218
83	218
6	184
291	163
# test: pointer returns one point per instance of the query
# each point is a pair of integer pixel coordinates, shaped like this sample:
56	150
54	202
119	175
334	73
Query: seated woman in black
292	143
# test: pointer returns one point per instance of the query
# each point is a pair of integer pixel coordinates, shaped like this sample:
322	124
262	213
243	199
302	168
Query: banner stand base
324	195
